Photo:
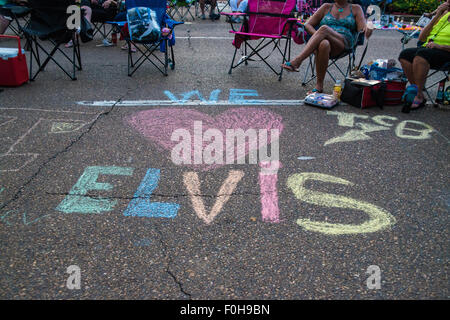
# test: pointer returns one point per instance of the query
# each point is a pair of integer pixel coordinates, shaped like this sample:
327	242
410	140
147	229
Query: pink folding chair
270	22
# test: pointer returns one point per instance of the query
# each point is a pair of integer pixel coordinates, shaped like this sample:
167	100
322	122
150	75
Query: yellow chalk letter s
379	219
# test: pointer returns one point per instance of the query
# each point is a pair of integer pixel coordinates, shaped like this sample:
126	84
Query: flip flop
314	91
417	103
289	67
125	47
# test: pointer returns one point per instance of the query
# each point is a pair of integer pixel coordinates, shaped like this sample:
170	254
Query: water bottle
440	92
337	90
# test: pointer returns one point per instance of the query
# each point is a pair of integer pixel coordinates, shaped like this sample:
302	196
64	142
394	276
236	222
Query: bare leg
420	68
202	6
322	57
87	13
336	42
213	6
4	23
408	69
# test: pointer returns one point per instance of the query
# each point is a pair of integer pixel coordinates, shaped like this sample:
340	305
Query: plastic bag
142	25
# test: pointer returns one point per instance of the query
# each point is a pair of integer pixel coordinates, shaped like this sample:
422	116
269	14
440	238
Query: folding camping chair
270	22
148	50
48	21
100	24
16	13
444	71
181	8
350	54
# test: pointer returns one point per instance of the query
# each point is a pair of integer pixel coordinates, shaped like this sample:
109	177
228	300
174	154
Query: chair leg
245	53
232	61
172	58
130	59
166	57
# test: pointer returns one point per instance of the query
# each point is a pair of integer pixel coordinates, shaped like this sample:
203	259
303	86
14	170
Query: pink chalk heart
158	125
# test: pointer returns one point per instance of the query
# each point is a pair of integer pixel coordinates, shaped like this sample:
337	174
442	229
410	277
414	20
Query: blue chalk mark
186	96
214	96
5	217
25	222
78	201
141	206
237	96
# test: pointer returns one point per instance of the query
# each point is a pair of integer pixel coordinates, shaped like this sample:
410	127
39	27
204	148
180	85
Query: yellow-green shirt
440	34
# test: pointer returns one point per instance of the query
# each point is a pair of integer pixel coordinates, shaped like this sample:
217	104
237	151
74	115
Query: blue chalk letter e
141	206
79	201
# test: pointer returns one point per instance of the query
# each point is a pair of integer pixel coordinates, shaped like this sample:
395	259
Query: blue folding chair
149	48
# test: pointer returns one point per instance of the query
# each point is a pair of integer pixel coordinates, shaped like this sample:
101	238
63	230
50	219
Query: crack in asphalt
16	196
169	263
180	195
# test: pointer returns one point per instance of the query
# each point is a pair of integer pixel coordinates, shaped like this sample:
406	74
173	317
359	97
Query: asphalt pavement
357	210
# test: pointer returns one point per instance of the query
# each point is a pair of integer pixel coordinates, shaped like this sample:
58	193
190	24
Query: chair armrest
235	14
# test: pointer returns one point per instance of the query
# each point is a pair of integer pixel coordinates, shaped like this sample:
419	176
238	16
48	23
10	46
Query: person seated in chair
433	53
4	21
212	15
97	10
337	25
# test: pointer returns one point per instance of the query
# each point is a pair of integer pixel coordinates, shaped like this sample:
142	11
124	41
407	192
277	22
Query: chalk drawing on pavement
236	97
408	129
23	218
193	186
158	125
13	152
379	219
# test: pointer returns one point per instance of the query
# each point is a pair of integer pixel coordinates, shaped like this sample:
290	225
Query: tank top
345	26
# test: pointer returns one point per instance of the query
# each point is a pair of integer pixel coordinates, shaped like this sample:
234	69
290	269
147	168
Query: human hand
369	29
432	45
106	4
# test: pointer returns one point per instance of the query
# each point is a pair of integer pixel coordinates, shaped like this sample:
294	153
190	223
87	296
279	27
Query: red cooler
13	65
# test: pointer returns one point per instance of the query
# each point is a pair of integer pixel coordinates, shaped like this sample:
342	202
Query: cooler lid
7	53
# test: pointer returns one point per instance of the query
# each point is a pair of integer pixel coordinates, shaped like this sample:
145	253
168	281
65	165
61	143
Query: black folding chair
181	9
350	54
100	21
48	21
19	16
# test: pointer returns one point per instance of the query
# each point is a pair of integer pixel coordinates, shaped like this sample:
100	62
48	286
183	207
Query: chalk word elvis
208	146
142	205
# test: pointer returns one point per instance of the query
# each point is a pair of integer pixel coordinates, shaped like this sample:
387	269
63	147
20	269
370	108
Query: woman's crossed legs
325	43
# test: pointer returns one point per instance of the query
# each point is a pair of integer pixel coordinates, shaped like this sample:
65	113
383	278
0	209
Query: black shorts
435	57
